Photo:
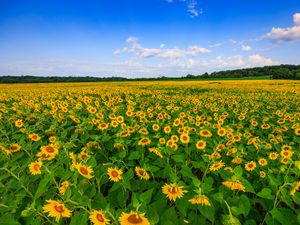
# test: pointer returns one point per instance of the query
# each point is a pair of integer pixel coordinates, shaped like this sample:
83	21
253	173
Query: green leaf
186	171
99	201
42	187
238	171
230	220
266	193
146	196
80	217
208	212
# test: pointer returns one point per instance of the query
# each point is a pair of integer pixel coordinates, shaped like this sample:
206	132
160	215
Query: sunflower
63	187
262	162
133	218
35	167
234	185
297	131
237	160
250	166
52	139
141	173
98	218
155	127
221	132
156	151
185	138
50	150
262	174
200	199
114	174
19	123
85	171
273	155
34	137
173	191
201	144
286	153
14	148
217	165
56	209
144	141
265	126
295	188
205	133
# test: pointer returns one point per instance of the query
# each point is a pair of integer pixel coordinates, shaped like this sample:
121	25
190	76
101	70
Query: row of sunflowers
141	153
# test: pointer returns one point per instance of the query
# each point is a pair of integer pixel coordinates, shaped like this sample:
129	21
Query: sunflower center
141	172
13	147
100	217
250	165
34	137
84	171
173	190
134	219
144	140
59	208
49	149
114	173
36	167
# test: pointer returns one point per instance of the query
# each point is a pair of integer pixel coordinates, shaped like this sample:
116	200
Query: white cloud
228	62
246	48
286	35
297	19
161	52
258	60
192	8
191	5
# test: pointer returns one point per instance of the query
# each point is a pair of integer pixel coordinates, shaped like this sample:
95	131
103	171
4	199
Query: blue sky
145	38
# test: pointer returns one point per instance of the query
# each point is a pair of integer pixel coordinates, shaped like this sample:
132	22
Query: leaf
238	171
266	193
208	212
186	171
80	217
42	187
99	201
146	196
230	220
153	215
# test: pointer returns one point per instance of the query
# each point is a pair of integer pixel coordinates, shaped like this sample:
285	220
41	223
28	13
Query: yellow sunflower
205	133
234	185
185	138
217	165
133	218
49	150
114	174
273	155
262	162
63	187
144	141
250	166
295	188
14	148
286	153
85	171
56	209
35	167
98	218
200	199
34	137
141	173
297	131
173	191
156	151
201	144
19	123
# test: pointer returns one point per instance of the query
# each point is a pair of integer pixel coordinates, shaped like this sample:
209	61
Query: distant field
161	152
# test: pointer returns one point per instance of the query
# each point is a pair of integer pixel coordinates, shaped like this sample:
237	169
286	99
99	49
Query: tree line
274	72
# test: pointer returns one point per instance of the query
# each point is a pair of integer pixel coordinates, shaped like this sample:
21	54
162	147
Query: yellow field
169	153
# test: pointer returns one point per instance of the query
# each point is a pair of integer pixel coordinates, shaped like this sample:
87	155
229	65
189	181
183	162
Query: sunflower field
141	153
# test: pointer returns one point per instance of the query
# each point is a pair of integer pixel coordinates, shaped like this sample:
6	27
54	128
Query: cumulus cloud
258	60
161	52
286	35
246	48
228	62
